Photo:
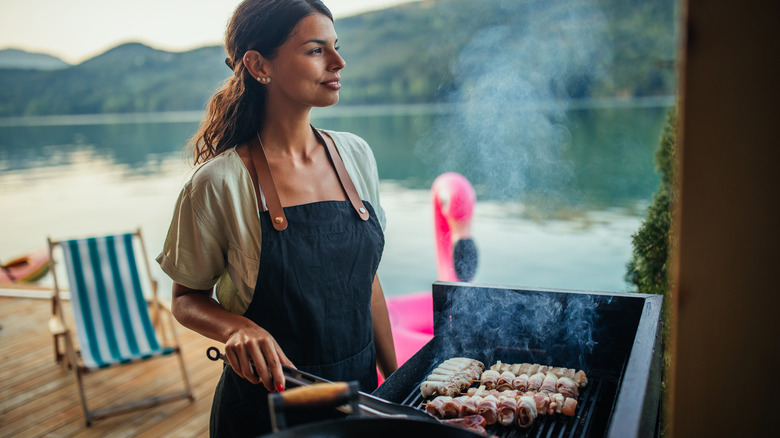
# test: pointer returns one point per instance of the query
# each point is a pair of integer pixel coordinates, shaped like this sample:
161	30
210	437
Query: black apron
313	295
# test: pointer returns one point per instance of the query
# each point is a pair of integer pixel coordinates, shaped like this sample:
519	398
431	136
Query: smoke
506	125
551	328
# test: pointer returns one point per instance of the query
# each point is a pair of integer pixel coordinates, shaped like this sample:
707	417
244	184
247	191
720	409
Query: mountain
129	78
421	52
20	59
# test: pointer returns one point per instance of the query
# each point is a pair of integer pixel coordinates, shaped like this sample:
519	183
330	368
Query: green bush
648	269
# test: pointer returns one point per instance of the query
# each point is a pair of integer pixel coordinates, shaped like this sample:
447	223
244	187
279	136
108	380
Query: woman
296	284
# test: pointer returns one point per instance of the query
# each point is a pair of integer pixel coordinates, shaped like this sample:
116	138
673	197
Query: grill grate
549	426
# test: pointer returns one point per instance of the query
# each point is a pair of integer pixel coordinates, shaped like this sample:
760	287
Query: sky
76	30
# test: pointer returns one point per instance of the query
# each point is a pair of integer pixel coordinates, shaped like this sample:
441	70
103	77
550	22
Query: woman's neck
287	134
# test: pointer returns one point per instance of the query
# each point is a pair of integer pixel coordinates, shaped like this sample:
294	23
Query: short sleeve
194	251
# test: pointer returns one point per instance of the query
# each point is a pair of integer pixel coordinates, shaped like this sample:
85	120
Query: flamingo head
453	207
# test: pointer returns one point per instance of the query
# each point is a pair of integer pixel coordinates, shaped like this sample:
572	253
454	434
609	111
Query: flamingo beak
464	257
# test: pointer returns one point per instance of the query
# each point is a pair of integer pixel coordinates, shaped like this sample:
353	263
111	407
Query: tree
648	268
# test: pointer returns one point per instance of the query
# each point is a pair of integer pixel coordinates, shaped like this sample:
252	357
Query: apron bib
313	295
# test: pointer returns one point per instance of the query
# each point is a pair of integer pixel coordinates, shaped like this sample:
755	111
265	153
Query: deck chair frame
66	353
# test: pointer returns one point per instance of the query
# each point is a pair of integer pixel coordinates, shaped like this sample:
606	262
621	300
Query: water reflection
140	147
605	158
393	140
73	180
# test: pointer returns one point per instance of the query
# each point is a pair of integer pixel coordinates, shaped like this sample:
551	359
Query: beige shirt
214	237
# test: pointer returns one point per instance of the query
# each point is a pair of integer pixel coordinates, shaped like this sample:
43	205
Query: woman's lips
334	84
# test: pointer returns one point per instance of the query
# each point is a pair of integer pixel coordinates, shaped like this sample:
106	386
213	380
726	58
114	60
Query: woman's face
305	71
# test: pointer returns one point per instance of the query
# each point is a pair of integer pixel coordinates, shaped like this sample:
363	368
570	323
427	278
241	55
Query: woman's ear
255	64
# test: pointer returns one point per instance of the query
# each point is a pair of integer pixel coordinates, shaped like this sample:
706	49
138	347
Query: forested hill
415	53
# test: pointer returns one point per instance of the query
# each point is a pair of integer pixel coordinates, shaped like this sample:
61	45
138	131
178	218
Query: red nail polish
279	388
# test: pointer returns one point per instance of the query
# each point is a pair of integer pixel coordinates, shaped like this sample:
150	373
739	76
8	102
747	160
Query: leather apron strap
346	181
261	173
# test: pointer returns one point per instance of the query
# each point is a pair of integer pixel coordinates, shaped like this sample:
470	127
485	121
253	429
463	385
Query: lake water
558	197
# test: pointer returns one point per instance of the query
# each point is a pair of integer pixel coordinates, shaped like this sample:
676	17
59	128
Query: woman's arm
244	340
383	334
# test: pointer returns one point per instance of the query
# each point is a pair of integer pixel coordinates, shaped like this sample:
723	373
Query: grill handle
316	396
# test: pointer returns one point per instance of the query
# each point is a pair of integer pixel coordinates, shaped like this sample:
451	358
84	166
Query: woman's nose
338	62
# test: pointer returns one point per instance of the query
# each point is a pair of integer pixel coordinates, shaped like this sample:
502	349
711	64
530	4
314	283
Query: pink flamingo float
411	316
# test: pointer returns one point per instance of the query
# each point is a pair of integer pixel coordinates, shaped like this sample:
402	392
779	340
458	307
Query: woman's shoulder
220	171
351	146
347	140
220	190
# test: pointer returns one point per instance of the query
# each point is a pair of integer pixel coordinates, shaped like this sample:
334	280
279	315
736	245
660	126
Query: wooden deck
38	397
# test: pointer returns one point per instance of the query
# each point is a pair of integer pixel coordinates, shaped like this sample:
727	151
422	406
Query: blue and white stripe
112	320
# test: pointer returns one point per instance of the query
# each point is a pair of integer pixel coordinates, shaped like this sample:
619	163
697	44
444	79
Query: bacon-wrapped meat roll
434	407
471	405
567	387
580	378
475	423
470	420
507	409
459	371
428	389
498	366
549	383
452	408
526	411
542	401
505	381
535	381
483	392
523	368
490	379
569	407
556	403
488	408
520	383
531	369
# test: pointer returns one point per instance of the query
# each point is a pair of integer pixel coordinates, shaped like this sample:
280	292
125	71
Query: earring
263	80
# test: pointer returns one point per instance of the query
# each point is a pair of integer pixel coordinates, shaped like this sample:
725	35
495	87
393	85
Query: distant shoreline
195	116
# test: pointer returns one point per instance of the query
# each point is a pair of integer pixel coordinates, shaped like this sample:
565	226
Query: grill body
614	337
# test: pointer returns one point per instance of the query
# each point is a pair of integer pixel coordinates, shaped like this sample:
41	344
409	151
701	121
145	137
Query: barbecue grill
614	337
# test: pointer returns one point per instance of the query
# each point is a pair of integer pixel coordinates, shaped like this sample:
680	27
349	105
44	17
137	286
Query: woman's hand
245	342
252	345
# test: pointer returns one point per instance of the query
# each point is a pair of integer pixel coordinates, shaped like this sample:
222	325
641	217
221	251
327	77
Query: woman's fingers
240	364
274	358
261	365
256	356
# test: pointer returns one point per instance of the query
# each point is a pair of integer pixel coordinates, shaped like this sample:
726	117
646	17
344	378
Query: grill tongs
314	391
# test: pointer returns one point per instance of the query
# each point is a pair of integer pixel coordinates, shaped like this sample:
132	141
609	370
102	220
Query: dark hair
235	112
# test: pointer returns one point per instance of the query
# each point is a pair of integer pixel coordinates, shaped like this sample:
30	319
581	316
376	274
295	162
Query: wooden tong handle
317	396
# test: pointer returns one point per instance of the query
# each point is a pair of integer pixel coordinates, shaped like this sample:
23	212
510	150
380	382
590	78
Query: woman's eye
317	50
337	48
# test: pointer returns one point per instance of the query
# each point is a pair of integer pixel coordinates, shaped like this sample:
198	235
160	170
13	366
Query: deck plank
38	397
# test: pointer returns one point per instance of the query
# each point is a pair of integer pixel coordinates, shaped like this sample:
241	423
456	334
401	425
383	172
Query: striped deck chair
112	317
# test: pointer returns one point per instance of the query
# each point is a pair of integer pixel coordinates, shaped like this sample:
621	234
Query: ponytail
233	116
